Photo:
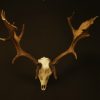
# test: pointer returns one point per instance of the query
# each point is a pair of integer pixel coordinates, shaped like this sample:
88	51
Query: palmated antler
16	39
78	34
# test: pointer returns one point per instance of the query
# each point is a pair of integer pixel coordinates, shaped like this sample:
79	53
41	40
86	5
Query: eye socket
41	78
47	78
39	65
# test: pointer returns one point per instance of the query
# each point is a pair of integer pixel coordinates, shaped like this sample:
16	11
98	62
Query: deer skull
44	72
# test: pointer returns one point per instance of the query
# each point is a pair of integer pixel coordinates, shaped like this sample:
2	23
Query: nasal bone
43	87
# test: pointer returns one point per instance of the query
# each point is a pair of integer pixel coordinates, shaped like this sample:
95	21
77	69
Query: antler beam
77	35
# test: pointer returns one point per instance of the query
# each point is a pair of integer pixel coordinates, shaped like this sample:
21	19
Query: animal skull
45	67
44	72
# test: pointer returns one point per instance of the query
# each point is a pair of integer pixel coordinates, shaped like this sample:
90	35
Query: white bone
45	62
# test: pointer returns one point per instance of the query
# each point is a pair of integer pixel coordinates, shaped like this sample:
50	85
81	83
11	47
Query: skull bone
44	72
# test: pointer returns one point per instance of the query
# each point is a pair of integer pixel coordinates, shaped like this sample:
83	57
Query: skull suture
44	72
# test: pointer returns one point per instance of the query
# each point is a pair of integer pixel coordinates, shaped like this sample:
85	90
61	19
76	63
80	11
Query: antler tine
78	34
3	17
16	40
22	32
69	22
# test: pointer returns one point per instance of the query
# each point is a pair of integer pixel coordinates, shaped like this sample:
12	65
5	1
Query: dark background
47	34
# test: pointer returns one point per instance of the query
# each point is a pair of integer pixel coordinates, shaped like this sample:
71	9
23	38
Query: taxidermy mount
45	67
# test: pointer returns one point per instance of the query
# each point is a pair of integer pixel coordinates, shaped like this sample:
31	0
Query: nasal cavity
43	87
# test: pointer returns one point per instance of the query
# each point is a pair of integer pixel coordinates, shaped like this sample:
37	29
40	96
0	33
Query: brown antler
77	35
16	39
